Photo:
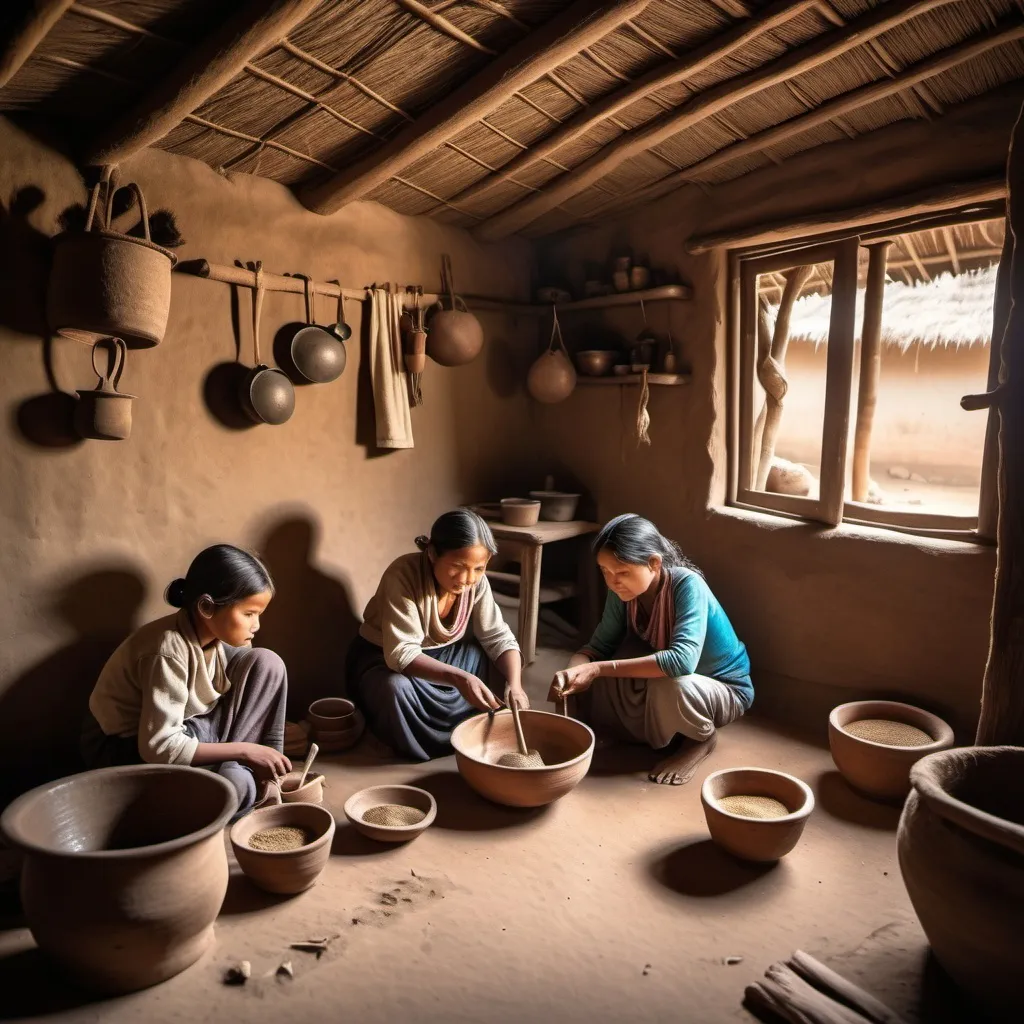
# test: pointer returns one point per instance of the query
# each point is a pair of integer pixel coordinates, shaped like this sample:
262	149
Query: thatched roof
951	309
405	102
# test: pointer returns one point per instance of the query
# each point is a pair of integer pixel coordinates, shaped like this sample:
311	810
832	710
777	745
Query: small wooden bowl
756	839
409	796
284	871
520	511
878	770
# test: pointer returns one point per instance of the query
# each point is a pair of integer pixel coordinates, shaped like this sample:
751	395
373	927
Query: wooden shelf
666	293
661	379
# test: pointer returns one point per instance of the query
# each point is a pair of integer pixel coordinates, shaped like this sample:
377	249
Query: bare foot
679	767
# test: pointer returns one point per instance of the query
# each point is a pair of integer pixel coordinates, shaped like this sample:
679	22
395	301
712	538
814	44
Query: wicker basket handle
139	198
109	380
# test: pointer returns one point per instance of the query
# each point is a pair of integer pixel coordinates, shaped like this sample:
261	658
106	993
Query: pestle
313	751
523	758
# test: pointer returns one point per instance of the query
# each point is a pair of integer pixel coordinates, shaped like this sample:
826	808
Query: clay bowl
284	871
124	870
556	506
877	770
520	511
409	796
331	714
756	839
595	363
565	744
622	369
312	791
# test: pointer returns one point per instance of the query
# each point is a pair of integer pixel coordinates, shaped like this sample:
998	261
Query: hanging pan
316	355
266	393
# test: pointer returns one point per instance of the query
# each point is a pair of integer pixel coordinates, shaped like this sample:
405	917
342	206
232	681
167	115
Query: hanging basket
104	283
552	378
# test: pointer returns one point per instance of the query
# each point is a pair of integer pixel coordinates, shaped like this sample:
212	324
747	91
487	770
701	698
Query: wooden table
526	545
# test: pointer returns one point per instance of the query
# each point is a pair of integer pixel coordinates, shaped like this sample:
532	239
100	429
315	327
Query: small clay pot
124	870
331	714
284	871
312	791
878	770
595	362
620	278
408	796
519	511
565	744
639	278
556	506
105	414
337	741
756	839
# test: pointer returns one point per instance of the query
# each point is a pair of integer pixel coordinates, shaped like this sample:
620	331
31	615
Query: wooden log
795	62
870	368
932	200
827	980
206	68
772	17
585	22
1002	697
41	17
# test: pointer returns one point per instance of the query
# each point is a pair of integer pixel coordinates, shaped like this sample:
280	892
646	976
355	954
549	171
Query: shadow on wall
48	420
311	621
24	264
43	709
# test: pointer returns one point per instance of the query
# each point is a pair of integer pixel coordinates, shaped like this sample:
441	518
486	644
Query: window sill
903	537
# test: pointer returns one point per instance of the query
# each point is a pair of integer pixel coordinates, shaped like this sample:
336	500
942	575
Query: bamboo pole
870	368
44	14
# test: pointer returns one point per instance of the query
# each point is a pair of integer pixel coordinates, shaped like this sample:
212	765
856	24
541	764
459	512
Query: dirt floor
611	905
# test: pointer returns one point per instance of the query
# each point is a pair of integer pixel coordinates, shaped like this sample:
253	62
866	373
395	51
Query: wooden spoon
525	758
313	751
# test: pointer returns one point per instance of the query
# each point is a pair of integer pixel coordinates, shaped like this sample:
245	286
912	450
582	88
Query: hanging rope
643	417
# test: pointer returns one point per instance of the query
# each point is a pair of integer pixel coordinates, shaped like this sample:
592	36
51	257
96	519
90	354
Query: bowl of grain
755	813
391	814
283	848
874	743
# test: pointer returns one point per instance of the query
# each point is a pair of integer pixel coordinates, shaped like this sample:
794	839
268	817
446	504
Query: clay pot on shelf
520	511
565	744
756	839
639	278
595	362
284	871
552	378
556	506
961	852
620	279
406	796
454	335
124	870
878	770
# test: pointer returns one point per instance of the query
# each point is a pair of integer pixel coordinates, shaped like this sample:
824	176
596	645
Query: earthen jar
312	791
565	744
284	871
756	839
878	770
552	378
520	511
337	724
961	852
124	870
408	796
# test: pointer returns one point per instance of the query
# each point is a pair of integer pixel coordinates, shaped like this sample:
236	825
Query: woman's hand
517	695
265	762
574	679
476	692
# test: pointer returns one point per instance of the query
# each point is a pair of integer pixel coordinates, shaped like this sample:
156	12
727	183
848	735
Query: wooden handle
520	738
313	751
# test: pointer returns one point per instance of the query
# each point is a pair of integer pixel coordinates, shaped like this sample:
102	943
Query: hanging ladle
341	330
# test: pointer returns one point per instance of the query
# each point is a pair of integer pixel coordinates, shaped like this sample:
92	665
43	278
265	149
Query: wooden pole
1002	698
702	106
585	22
870	368
42	16
205	69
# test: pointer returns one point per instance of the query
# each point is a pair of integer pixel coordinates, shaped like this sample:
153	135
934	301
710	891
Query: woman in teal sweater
664	666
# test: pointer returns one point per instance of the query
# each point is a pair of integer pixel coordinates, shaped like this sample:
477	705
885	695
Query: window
850	359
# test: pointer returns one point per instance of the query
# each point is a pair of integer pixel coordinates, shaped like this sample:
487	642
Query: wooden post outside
870	368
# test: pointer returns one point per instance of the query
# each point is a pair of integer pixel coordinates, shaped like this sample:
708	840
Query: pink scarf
662	622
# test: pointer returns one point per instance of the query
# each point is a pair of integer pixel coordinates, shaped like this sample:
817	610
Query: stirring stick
520	738
313	751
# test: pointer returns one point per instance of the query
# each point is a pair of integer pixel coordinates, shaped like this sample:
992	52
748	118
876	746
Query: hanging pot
552	378
455	335
107	284
104	414
266	393
317	355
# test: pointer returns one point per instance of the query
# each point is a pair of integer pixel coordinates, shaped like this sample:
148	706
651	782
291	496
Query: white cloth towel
387	371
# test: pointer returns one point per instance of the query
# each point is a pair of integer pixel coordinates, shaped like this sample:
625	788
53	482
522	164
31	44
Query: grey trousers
252	711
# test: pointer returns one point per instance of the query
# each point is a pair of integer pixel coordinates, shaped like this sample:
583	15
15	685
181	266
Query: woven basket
104	283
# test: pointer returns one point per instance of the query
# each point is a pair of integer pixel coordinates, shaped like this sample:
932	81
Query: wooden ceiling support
795	62
42	16
552	44
432	18
204	70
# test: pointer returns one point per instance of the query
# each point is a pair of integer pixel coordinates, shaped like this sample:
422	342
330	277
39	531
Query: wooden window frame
830	508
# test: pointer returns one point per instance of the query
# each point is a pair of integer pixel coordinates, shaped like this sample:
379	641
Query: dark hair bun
422	542
176	593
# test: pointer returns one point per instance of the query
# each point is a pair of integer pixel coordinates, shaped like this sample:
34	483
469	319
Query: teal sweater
703	640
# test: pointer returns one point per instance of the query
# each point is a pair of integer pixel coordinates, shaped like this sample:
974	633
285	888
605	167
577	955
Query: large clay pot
552	378
454	335
961	851
565	744
125	870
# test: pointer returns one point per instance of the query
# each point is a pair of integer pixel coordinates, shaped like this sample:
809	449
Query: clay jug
552	378
961	852
454	334
105	414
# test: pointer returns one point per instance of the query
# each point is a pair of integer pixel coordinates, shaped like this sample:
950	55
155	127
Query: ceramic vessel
284	871
756	839
409	796
552	378
124	870
565	744
877	770
520	511
312	791
331	714
595	362
961	852
556	506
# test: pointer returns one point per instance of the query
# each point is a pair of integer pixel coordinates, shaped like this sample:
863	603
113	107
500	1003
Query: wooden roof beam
204	70
543	50
42	16
954	257
797	61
